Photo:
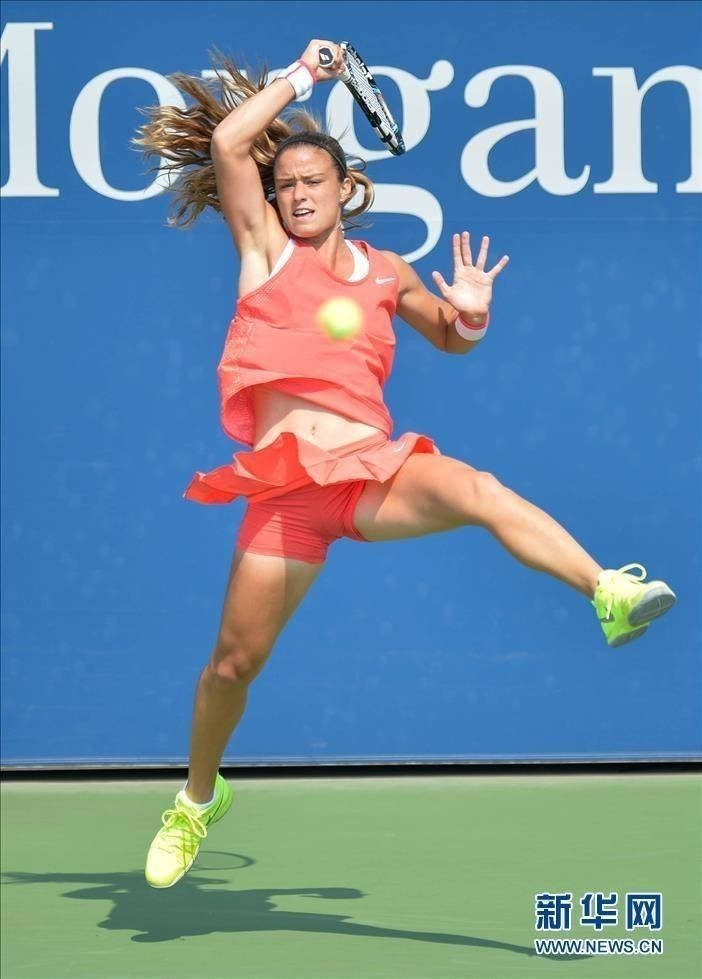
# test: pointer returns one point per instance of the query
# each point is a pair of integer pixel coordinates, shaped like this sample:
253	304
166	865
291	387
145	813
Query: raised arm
249	215
469	298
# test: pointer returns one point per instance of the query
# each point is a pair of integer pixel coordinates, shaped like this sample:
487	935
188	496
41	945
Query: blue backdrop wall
584	397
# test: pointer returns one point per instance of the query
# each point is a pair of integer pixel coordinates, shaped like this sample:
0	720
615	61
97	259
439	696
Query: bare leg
219	706
539	542
262	594
433	493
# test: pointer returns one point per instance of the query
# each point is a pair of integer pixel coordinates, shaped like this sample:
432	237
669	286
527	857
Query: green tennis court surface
326	878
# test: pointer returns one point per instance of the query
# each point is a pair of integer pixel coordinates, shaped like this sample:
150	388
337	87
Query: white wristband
300	77
469	332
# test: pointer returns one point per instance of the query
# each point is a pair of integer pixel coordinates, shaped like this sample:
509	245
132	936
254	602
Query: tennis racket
360	82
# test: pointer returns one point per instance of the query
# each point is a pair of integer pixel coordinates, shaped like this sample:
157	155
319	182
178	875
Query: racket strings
366	90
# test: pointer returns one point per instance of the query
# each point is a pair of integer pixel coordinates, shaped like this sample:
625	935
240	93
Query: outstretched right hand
310	57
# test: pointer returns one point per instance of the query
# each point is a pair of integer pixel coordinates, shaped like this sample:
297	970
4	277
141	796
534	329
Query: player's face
306	179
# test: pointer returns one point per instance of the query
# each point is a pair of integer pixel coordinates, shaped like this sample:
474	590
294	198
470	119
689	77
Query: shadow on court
192	908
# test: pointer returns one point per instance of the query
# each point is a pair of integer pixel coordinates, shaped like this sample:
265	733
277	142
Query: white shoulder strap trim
287	252
360	262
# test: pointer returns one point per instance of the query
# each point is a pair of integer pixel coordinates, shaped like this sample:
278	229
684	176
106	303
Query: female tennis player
322	464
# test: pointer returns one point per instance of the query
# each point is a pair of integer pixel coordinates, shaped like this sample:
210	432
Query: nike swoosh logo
398	447
381	281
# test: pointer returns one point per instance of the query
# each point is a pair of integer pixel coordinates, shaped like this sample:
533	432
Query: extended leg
432	493
262	594
538	541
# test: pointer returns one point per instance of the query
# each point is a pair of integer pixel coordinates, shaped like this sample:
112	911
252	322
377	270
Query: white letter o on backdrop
84	133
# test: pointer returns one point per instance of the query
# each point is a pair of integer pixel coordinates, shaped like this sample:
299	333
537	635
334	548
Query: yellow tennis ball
340	318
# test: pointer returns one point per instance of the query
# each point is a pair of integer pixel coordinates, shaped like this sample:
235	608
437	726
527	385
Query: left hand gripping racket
360	82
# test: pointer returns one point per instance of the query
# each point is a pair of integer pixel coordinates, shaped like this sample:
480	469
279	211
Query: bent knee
233	661
485	494
487	483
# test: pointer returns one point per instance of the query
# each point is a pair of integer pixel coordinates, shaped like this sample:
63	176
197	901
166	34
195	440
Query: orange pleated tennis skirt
302	497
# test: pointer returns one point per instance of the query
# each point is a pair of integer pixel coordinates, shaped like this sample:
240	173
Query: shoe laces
179	826
621	576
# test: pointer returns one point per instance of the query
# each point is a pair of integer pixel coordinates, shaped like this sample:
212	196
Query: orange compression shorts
303	522
303	517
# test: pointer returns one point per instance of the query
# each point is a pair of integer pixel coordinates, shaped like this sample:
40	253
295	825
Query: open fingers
462	254
482	254
457	260
461	250
496	269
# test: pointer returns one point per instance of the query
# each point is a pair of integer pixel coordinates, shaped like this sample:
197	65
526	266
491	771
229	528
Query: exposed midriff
279	411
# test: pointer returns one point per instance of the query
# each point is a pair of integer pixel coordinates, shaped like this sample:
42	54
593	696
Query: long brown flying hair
182	138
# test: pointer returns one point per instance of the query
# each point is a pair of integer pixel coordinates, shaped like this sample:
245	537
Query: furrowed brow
305	176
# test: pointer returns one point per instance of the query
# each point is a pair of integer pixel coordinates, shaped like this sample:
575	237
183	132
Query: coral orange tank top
274	339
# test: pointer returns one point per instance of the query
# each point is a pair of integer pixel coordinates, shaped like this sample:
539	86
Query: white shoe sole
657	600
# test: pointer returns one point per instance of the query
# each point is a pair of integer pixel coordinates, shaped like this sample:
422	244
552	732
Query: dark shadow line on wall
101	771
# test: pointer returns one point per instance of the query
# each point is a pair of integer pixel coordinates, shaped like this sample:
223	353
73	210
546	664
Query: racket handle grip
326	57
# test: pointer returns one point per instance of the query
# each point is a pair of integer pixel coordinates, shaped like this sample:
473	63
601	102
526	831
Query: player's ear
348	189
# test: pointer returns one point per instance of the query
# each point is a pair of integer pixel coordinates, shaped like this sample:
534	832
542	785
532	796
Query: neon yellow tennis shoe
175	846
625	604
